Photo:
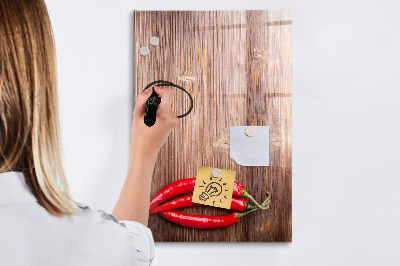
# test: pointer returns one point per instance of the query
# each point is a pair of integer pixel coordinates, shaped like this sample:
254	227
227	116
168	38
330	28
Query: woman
40	224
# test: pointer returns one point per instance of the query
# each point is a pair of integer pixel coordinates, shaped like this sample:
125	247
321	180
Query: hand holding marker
148	140
184	186
152	102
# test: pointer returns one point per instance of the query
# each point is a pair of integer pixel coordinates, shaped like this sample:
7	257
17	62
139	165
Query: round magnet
216	172
249	131
144	50
154	40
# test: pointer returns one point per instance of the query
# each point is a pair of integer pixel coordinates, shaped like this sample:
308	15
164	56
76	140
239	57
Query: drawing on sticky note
213	191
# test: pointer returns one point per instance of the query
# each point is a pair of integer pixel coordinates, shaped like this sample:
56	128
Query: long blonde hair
29	120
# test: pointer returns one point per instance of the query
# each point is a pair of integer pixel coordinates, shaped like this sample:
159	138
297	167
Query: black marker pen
151	109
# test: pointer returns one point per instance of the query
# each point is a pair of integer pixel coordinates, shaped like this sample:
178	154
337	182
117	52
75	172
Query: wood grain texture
237	66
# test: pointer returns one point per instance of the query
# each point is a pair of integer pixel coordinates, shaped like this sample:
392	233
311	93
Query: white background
346	125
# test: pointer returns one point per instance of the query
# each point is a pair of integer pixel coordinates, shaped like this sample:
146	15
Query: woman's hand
147	141
133	202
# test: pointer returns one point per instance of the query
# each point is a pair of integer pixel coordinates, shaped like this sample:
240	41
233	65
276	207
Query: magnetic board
237	65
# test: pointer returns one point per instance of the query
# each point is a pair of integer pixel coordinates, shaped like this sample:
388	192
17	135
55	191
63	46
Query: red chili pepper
210	222
237	204
184	186
201	221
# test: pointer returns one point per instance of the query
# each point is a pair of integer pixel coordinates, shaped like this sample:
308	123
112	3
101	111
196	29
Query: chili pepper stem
267	201
264	206
246	194
241	214
248	206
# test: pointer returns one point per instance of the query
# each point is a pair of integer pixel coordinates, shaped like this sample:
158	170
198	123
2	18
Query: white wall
346	164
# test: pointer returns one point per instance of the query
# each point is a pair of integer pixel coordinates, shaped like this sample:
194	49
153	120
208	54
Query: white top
29	235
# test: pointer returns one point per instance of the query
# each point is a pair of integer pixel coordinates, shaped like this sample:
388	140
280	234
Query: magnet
249	131
216	172
154	41
144	50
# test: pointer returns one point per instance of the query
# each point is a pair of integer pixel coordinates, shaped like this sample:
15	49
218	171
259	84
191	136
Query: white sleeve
143	240
140	236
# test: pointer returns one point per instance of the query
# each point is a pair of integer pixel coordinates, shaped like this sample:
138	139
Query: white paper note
250	150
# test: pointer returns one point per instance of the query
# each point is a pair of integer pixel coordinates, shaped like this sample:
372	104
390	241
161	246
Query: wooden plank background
237	67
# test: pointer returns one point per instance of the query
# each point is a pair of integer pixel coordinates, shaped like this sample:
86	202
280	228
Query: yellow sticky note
211	190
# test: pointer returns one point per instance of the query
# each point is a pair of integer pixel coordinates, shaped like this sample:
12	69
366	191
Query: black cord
170	84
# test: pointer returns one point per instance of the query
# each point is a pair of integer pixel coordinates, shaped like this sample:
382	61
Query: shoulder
138	236
90	237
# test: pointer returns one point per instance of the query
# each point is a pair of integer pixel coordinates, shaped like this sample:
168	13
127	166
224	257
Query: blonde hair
29	120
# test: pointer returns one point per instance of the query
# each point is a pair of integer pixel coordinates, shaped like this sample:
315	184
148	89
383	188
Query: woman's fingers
167	98
140	103
164	108
160	90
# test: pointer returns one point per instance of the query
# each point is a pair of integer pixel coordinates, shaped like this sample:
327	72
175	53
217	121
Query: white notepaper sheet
250	150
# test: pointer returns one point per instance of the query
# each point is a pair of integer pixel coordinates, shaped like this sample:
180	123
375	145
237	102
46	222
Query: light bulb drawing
213	189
